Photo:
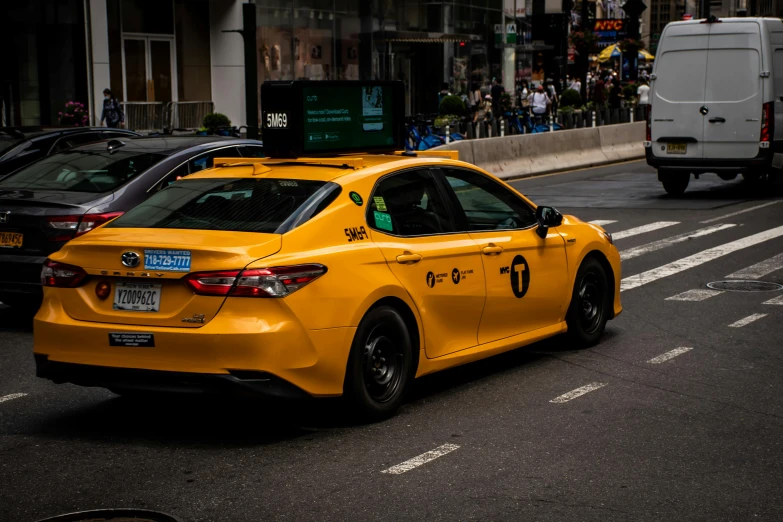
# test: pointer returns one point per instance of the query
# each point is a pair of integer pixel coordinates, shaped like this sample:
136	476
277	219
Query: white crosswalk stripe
705	256
759	270
775	301
695	295
630	253
747	320
602	222
643	229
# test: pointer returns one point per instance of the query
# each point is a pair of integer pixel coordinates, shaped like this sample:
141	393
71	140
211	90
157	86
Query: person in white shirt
576	85
644	93
539	103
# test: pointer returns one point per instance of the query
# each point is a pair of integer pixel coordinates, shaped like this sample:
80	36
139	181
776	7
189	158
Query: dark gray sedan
48	203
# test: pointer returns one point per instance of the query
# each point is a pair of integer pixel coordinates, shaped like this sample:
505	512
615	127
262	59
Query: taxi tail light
265	282
767	122
70	227
60	275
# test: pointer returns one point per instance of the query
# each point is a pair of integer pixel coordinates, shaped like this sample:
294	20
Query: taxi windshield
83	171
240	205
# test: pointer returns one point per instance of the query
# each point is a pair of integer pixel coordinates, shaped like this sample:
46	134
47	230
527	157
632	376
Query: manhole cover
745	286
115	515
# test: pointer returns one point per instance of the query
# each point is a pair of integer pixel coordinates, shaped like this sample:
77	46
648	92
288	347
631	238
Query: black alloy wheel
590	304
380	365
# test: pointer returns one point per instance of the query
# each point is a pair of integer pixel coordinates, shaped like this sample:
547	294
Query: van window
681	75
732	75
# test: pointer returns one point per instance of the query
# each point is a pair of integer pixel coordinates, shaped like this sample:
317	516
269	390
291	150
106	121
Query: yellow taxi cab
349	275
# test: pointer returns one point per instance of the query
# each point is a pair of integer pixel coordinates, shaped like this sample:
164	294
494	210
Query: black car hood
51	198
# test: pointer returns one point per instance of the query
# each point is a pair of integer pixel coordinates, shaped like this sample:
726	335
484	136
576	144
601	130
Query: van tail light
70	227
649	123
61	275
767	122
265	282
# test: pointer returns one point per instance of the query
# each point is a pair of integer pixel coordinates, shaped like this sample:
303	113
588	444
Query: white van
716	96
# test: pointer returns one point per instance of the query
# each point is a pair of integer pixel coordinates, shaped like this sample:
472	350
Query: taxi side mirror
547	217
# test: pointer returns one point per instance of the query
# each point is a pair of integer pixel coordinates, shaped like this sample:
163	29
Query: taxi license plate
137	297
676	148
11	239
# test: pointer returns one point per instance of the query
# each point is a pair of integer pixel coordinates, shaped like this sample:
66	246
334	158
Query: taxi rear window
240	205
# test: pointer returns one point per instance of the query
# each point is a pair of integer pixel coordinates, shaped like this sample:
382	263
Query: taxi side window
488	205
207	160
409	204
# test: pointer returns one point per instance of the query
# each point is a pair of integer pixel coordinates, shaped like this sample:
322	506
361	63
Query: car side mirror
547	217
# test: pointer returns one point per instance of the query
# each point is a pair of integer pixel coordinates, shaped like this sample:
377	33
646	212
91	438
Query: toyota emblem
130	259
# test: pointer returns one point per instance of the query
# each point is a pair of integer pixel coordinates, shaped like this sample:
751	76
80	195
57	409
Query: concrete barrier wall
529	154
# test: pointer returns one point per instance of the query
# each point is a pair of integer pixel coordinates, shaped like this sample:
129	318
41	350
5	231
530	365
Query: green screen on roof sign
351	117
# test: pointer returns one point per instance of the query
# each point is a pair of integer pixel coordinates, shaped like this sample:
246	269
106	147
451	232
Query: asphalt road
678	414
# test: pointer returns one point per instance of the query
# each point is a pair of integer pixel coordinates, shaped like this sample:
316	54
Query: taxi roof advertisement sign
318	118
610	30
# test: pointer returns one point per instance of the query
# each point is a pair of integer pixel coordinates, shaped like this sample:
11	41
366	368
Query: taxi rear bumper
240	383
272	355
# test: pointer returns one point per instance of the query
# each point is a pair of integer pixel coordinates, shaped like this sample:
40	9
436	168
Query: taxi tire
591	290
381	332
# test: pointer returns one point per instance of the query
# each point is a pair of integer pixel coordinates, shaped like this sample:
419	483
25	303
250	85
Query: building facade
165	53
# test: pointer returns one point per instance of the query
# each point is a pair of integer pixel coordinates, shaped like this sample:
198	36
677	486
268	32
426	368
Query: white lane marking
643	229
719	218
424	458
602	222
573	394
12	397
669	355
630	253
702	257
759	270
694	295
747	320
776	301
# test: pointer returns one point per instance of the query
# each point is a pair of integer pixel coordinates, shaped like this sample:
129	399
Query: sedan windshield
82	171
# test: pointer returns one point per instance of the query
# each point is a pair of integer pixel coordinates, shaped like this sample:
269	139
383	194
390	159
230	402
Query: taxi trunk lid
130	297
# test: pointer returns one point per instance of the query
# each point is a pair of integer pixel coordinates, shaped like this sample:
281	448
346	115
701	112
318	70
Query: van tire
674	183
380	365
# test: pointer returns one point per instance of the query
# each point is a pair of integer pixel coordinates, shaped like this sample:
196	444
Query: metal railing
144	116
188	114
162	116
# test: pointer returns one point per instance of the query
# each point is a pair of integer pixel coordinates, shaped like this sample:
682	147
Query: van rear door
733	93
678	91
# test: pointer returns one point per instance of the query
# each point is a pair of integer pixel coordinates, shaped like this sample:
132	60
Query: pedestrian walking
540	104
112	111
496	92
643	92
576	85
615	95
444	91
554	99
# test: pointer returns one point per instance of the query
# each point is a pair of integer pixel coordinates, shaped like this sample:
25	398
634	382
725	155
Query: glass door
149	69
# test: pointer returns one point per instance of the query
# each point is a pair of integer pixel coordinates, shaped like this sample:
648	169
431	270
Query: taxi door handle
407	258
492	249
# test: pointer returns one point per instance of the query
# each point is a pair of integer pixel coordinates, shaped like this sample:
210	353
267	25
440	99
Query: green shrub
447	119
452	105
213	121
629	91
571	98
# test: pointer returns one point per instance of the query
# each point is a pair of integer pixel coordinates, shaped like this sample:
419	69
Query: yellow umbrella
613	51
